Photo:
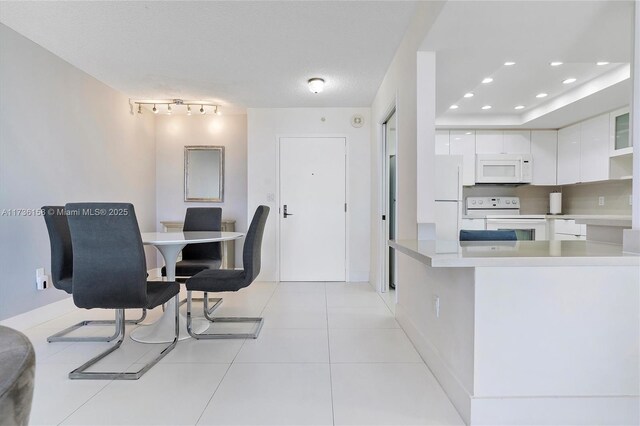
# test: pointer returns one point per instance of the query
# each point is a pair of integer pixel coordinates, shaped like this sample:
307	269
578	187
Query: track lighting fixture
177	104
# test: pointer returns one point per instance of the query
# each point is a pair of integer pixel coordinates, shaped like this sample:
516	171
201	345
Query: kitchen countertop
456	254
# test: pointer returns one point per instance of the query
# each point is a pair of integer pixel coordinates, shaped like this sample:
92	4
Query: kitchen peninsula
526	332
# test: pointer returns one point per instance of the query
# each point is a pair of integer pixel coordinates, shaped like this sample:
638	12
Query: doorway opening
389	215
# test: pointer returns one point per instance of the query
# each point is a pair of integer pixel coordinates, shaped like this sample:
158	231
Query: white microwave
503	168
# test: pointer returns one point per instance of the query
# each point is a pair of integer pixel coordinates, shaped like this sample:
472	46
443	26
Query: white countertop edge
449	260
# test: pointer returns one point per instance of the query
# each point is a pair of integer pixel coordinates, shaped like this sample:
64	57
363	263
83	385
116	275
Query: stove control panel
489	203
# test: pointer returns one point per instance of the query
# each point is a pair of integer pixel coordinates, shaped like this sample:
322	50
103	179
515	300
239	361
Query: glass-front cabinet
621	142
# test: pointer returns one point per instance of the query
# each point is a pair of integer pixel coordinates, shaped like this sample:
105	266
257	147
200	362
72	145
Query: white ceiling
241	54
473	40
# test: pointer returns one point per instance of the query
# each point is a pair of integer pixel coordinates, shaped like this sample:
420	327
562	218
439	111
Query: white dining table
170	244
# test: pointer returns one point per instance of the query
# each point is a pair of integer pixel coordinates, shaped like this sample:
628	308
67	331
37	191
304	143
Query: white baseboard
39	315
459	396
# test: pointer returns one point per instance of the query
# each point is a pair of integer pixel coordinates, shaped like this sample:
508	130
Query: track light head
139	109
188	109
169	109
202	109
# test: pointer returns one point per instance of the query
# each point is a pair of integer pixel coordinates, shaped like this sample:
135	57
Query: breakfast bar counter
526	332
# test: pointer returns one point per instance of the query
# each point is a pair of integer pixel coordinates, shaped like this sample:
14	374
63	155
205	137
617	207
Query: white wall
265	125
173	133
399	88
64	137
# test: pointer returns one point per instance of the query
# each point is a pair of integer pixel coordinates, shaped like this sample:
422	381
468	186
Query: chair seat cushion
64	284
159	292
217	280
187	268
17	370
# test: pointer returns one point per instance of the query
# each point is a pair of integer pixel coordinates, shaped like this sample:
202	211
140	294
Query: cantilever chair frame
82	373
207	314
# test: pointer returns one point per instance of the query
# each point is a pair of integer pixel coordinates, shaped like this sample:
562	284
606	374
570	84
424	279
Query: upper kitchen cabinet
544	148
503	142
619	138
568	155
463	142
594	149
442	142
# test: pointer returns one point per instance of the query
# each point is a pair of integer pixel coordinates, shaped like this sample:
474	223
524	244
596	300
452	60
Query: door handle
284	213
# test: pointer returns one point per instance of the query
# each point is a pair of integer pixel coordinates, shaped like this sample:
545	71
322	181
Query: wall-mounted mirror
204	173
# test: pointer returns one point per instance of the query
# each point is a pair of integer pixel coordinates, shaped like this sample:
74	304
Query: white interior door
312	190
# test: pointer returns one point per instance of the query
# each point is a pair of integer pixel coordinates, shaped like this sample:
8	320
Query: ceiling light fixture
468	95
509	63
542	95
519	107
486	107
555	64
468	133
176	105
453	107
569	81
602	63
316	85
487	80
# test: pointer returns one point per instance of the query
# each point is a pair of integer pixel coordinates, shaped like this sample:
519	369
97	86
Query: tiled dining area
329	353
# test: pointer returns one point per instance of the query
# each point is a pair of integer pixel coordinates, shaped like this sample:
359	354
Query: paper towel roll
555	203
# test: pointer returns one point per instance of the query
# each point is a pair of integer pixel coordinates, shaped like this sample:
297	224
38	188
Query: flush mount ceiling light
487	80
468	95
509	63
569	81
171	103
555	63
316	85
541	95
453	107
602	63
519	107
486	107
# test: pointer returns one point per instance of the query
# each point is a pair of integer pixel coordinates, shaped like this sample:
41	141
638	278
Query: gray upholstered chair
110	272
482	235
17	371
221	280
198	257
62	273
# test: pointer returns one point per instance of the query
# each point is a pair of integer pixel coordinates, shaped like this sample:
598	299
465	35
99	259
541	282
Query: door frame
392	108
346	194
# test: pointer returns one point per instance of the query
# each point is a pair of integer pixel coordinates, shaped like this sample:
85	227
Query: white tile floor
329	353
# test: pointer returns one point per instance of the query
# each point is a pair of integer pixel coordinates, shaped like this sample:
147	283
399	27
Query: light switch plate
601	200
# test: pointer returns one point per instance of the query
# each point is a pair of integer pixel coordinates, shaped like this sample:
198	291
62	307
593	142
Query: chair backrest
60	241
481	235
202	219
252	250
109	266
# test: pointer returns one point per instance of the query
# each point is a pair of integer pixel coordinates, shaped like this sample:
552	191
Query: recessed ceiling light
519	107
468	133
486	107
509	63
602	63
555	64
569	81
453	107
487	80
468	95
541	95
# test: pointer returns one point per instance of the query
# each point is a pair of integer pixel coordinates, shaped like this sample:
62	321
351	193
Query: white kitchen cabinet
442	142
473	224
503	142
569	155
567	230
517	142
489	142
544	154
463	142
619	136
594	149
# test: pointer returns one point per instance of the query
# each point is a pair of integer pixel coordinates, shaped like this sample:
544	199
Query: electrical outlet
42	280
436	305
601	200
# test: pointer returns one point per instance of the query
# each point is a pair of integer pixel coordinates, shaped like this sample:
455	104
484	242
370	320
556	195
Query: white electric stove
503	213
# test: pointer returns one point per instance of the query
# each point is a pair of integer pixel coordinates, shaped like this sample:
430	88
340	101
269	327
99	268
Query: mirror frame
189	148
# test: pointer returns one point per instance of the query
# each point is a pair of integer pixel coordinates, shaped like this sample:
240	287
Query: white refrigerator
448	196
